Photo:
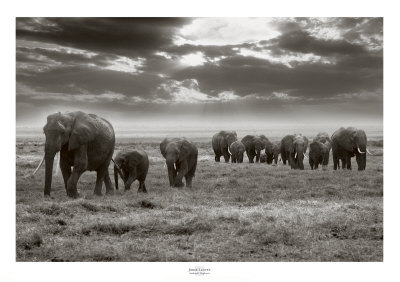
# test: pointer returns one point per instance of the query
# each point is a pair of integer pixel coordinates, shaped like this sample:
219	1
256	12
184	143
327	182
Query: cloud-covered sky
155	70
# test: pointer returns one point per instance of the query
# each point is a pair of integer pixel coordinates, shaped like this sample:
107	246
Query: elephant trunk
258	154
171	171
49	160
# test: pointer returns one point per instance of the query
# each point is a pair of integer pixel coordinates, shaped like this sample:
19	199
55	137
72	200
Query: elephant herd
345	143
85	142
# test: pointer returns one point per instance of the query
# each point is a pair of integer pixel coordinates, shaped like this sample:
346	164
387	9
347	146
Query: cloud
121	36
184	66
223	31
187	91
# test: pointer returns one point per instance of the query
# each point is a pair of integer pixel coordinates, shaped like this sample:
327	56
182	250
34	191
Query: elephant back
223	138
287	143
248	142
322	137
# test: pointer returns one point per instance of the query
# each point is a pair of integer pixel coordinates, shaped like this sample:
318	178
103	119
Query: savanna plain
233	212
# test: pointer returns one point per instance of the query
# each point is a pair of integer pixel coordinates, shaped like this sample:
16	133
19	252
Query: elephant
85	142
221	142
276	150
181	160
347	143
319	150
131	165
237	150
254	144
271	155
319	154
293	149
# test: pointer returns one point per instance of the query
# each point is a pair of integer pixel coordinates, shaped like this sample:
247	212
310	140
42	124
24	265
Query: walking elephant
254	144
347	143
85	142
131	165
319	150
276	151
272	151
181	159
221	142
237	150
293	149
319	154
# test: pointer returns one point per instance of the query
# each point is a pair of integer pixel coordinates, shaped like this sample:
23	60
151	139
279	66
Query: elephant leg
217	158
258	157
142	187
348	162
226	156
65	168
188	180
181	169
343	163
107	183
335	162
190	174
72	190
292	162
99	182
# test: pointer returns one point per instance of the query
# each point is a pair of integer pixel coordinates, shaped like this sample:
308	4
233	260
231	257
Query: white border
12	271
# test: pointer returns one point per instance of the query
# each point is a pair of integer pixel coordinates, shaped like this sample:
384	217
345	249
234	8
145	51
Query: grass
233	212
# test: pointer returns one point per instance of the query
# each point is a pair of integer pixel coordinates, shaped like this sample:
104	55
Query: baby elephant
319	154
237	149
131	165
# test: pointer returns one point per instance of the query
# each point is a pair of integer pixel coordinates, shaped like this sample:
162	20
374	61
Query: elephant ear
184	150
163	146
348	139
83	132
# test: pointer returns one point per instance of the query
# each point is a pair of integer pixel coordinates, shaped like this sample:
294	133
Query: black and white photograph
211	139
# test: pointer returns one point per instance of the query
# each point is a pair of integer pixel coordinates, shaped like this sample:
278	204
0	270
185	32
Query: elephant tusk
174	166
58	163
295	155
369	152
305	155
229	151
41	162
360	151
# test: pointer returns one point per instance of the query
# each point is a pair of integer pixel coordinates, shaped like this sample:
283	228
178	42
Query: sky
187	72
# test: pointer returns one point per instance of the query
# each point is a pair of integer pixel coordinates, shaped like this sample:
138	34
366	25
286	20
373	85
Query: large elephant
85	142
181	159
347	143
221	142
293	149
131	165
254	144
237	149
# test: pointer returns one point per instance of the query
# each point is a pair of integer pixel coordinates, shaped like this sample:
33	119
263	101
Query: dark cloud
247	75
84	79
122	36
301	41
